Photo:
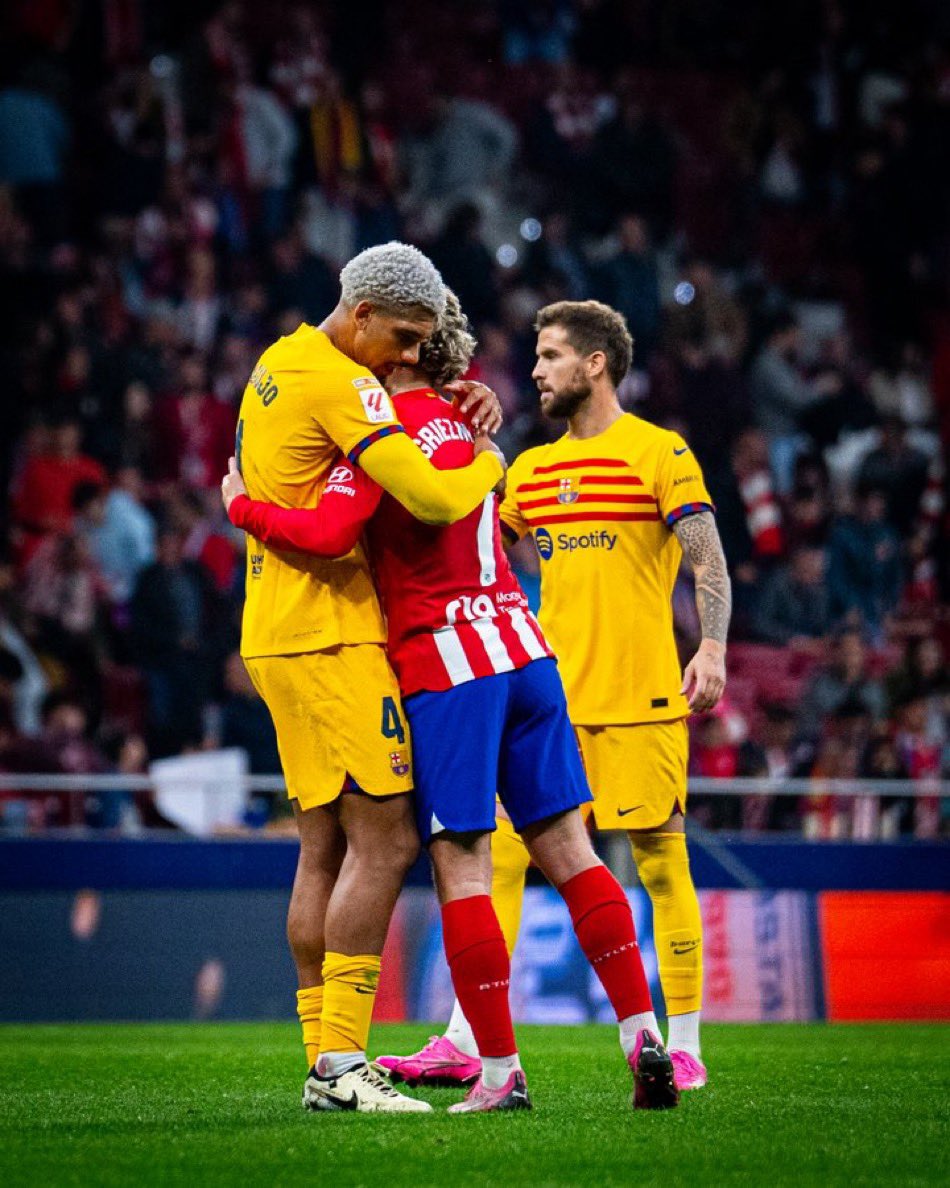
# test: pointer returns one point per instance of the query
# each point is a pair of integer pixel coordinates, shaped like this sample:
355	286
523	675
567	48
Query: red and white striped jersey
454	608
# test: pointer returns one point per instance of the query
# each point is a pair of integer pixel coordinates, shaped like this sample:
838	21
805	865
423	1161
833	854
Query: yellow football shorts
636	773
337	714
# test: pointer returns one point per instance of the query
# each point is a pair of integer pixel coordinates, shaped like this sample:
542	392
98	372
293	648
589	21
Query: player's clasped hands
480	402
704	680
232	485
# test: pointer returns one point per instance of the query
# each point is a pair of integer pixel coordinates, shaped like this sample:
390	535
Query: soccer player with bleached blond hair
394	277
488	715
313	636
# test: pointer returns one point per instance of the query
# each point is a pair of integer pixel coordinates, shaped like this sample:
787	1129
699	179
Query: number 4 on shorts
392	726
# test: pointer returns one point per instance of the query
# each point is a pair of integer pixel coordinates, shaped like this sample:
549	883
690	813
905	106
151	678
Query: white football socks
335	1064
497	1069
631	1027
684	1033
460	1033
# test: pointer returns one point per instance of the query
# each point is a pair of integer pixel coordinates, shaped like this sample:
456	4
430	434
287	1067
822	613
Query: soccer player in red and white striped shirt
487	710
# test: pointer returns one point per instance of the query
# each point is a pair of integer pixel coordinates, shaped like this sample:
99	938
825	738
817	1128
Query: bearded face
561	375
562	403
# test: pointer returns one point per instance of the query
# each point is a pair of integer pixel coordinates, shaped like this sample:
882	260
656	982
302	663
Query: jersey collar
419	392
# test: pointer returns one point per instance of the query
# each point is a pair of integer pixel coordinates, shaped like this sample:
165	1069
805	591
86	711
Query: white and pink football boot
480	1099
688	1072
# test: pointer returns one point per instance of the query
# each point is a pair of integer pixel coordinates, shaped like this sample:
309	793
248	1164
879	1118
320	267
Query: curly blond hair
447	352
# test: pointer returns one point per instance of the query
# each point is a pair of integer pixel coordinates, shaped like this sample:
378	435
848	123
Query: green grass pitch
210	1104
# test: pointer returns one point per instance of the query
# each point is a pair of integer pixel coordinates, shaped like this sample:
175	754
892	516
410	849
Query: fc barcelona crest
568	490
399	762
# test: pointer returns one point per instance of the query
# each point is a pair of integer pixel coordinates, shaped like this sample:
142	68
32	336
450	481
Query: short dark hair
782	322
592	326
57	698
85	493
867	487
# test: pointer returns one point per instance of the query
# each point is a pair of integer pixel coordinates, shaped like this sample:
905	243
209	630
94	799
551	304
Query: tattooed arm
705	677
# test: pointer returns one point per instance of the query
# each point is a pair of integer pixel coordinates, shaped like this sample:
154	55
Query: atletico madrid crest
399	762
568	490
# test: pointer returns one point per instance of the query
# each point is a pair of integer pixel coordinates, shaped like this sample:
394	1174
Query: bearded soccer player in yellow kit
613	505
313	642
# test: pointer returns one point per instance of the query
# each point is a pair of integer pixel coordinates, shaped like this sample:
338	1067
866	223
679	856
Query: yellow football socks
510	862
309	1010
349	993
663	867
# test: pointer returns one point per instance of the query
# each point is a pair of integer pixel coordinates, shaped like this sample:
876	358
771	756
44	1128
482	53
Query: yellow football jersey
306	401
601	511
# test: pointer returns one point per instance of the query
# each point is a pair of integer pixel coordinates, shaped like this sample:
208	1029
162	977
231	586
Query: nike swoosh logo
684	450
343	1103
623	812
363	990
683	948
334	1099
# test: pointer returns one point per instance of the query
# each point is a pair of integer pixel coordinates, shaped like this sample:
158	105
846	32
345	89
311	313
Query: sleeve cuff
362	446
236	508
687	509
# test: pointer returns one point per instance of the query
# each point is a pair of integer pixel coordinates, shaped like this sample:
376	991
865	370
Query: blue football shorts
507	734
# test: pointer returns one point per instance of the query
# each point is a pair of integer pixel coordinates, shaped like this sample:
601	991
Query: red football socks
604	926
478	959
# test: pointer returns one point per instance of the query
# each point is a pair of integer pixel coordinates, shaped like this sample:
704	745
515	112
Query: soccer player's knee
403	848
392	841
306	938
659	857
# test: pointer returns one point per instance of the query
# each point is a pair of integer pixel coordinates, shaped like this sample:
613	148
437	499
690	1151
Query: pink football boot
439	1063
688	1072
513	1095
653	1084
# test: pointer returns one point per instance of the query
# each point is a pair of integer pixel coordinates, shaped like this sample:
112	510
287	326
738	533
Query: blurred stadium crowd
761	189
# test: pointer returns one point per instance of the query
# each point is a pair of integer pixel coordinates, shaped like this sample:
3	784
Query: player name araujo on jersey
263	384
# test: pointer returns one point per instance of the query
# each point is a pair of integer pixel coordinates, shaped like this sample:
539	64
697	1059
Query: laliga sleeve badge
399	762
375	401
